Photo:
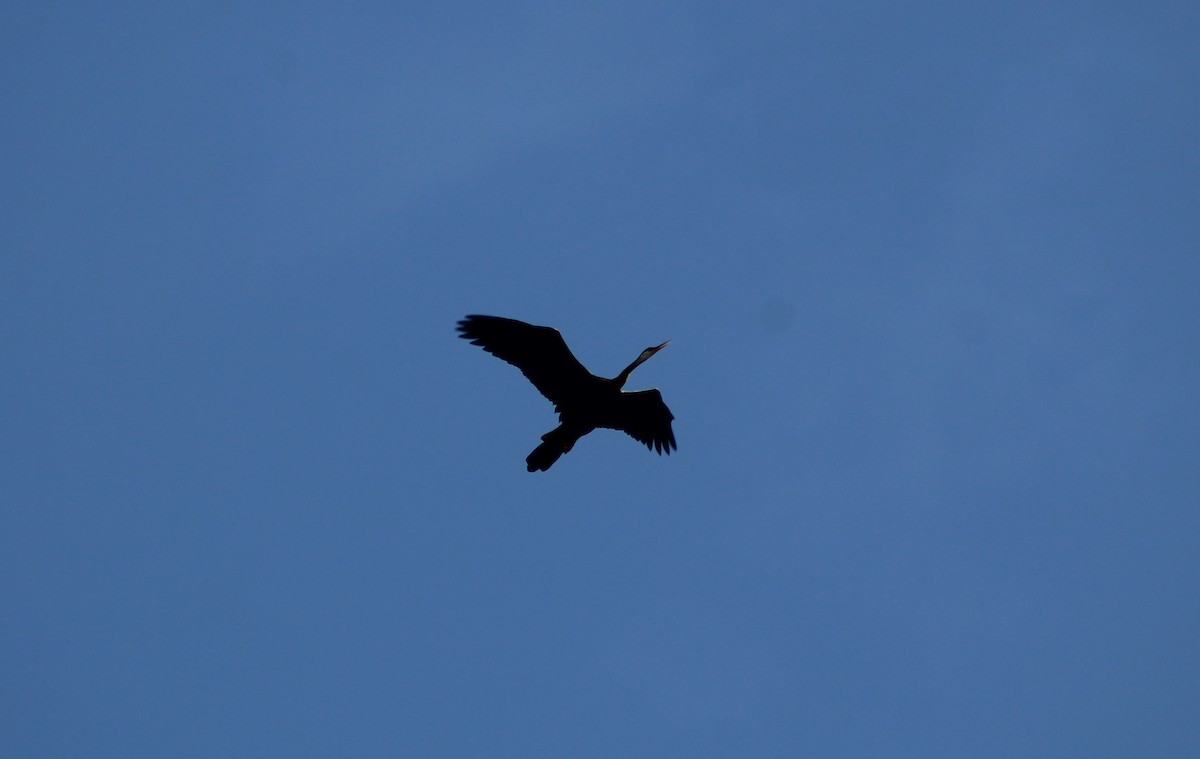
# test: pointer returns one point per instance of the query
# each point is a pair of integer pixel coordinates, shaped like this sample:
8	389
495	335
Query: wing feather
644	417
539	352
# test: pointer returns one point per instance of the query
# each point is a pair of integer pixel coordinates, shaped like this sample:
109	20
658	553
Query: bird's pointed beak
657	348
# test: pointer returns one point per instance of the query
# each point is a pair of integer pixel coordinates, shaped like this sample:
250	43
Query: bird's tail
555	443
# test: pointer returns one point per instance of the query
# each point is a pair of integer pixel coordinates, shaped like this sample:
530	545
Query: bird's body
583	400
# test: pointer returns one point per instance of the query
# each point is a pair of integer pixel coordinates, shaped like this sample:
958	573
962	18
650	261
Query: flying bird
583	400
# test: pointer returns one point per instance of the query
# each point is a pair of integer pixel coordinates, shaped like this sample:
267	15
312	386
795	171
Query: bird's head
649	352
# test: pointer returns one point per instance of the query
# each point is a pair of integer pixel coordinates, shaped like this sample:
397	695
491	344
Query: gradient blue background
931	272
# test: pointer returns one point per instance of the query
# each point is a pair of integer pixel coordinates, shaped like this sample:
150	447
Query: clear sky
931	273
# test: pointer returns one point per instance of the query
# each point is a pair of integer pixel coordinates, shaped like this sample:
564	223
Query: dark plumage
583	400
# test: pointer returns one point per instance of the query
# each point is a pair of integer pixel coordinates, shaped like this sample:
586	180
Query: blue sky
930	275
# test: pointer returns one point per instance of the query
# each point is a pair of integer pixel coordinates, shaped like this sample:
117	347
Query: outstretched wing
645	418
539	352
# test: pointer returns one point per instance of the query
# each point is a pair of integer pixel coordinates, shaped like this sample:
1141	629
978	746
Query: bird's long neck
620	380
